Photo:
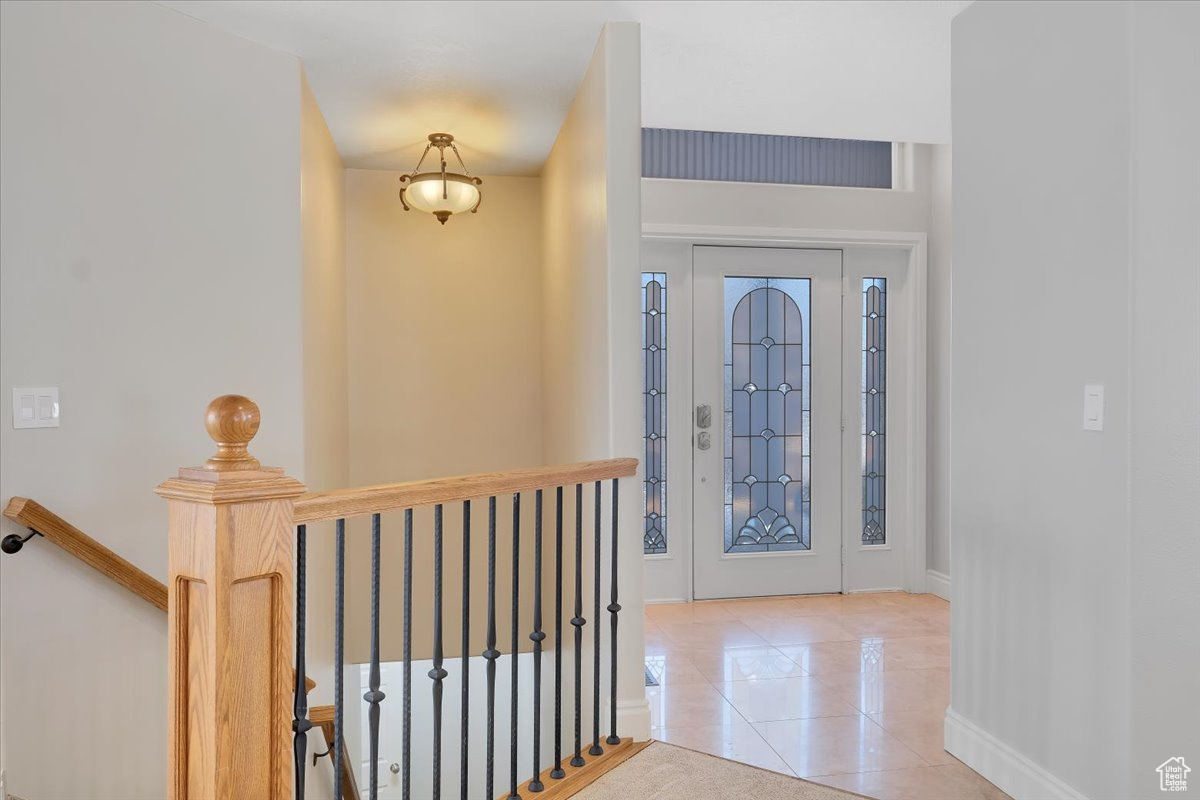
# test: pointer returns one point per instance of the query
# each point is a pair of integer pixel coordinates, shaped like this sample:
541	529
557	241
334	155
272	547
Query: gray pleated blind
760	158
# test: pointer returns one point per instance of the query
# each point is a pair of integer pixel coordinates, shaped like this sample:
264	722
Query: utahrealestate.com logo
1172	775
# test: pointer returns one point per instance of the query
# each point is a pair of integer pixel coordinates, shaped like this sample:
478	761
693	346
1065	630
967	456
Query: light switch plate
35	407
1093	407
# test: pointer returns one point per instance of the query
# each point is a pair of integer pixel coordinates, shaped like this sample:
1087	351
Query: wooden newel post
231	618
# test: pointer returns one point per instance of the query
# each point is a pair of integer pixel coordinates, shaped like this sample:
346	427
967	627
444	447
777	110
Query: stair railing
44	523
238	583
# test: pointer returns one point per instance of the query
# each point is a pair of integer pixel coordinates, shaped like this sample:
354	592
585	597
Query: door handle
704	440
703	416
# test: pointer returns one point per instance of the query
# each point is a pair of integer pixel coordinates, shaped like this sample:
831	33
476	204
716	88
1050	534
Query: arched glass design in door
767	468
767	386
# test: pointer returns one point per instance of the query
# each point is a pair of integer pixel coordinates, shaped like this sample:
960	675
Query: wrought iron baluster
339	632
374	697
613	609
596	749
466	649
300	723
535	784
437	673
406	758
491	653
578	622
516	607
558	771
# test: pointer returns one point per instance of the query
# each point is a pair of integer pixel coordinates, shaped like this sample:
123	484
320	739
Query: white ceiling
500	75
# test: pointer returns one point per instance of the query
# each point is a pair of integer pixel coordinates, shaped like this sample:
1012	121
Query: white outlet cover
35	407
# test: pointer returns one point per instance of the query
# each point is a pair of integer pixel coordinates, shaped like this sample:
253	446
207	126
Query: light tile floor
845	690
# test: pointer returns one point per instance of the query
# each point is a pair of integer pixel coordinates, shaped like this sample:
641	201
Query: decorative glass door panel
654	412
767	367
767	463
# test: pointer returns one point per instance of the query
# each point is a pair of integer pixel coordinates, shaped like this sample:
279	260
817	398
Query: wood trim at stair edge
579	778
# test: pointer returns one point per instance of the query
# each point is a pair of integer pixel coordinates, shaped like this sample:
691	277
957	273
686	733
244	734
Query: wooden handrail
322	717
36	517
317	506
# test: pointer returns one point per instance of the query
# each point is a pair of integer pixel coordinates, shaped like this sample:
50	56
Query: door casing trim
916	244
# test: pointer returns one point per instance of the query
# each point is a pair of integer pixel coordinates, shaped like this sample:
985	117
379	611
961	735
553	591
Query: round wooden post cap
231	421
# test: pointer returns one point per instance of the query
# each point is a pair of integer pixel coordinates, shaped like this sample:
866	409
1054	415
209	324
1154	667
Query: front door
767	429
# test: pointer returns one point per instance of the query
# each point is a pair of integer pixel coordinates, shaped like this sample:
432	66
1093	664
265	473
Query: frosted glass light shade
441	195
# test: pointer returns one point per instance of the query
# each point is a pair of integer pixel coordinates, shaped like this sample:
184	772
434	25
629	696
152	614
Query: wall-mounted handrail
343	503
37	518
322	717
45	523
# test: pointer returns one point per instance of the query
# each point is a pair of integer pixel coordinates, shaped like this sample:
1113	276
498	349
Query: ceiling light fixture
440	193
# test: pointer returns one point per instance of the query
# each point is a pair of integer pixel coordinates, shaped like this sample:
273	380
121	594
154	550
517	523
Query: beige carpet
665	772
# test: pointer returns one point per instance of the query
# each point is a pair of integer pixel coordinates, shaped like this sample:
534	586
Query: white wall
938	365
1073	613
591	350
150	261
1165	376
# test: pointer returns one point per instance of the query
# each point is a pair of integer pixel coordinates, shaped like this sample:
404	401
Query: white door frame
916	245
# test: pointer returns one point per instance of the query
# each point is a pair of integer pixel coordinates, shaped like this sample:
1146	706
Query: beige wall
323	232
591	334
326	395
444	337
149	262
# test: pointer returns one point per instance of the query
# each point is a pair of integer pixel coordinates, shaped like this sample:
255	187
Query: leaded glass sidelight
654	400
767	414
874	410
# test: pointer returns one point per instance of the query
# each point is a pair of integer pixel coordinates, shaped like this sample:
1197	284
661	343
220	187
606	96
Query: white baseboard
938	583
633	719
1015	774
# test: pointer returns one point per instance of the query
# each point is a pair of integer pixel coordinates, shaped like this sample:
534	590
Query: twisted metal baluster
466	648
596	749
578	622
558	771
300	724
491	653
535	784
406	778
613	609
374	697
437	673
339	633
516	607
